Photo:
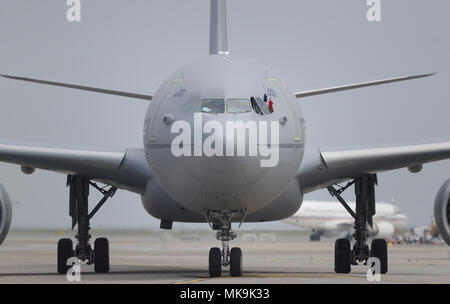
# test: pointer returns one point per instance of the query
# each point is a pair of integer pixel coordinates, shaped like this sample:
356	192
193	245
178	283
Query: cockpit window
217	106
263	106
238	106
212	106
191	106
259	106
256	108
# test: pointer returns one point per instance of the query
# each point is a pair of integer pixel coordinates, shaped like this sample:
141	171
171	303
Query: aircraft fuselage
224	134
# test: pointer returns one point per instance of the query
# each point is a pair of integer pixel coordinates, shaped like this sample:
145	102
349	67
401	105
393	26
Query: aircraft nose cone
223	170
230	173
229	182
222	182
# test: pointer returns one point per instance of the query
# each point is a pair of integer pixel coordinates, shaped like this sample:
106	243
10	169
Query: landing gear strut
218	258
363	215
79	211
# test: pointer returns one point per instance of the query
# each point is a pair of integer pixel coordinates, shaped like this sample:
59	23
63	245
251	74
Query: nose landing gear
218	258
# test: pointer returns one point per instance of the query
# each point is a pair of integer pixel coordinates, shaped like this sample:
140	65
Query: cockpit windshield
214	106
232	105
259	106
238	106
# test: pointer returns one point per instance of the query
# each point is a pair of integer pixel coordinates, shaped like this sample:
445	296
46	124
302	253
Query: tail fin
218	35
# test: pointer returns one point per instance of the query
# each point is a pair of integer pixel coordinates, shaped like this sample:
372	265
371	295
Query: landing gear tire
379	250
236	262
101	255
215	262
65	252
342	256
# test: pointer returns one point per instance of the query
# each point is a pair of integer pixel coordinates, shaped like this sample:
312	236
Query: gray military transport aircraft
223	143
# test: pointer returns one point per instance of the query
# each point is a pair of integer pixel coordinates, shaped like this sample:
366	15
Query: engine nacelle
442	211
5	213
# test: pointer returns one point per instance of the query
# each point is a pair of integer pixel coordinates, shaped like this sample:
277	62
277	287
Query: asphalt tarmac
181	257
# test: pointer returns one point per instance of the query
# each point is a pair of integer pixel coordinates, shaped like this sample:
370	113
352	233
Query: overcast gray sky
133	45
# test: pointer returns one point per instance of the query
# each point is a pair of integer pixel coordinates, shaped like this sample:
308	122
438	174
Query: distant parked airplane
331	219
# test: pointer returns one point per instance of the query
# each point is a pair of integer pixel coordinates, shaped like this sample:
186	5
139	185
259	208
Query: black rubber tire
65	251
236	262
342	256
101	255
379	250
215	262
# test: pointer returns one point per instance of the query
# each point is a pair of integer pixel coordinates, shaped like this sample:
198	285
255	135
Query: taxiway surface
182	258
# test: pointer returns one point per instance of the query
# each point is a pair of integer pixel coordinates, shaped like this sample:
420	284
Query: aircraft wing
321	168
127	169
358	85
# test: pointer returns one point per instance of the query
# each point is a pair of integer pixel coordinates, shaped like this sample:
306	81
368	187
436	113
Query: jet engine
442	211
5	213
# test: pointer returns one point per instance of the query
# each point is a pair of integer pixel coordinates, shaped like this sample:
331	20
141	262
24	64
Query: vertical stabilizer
218	36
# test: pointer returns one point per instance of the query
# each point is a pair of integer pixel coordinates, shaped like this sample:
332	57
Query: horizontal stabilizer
358	85
84	88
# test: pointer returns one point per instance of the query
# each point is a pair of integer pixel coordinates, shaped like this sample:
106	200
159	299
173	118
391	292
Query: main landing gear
78	210
218	258
344	255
